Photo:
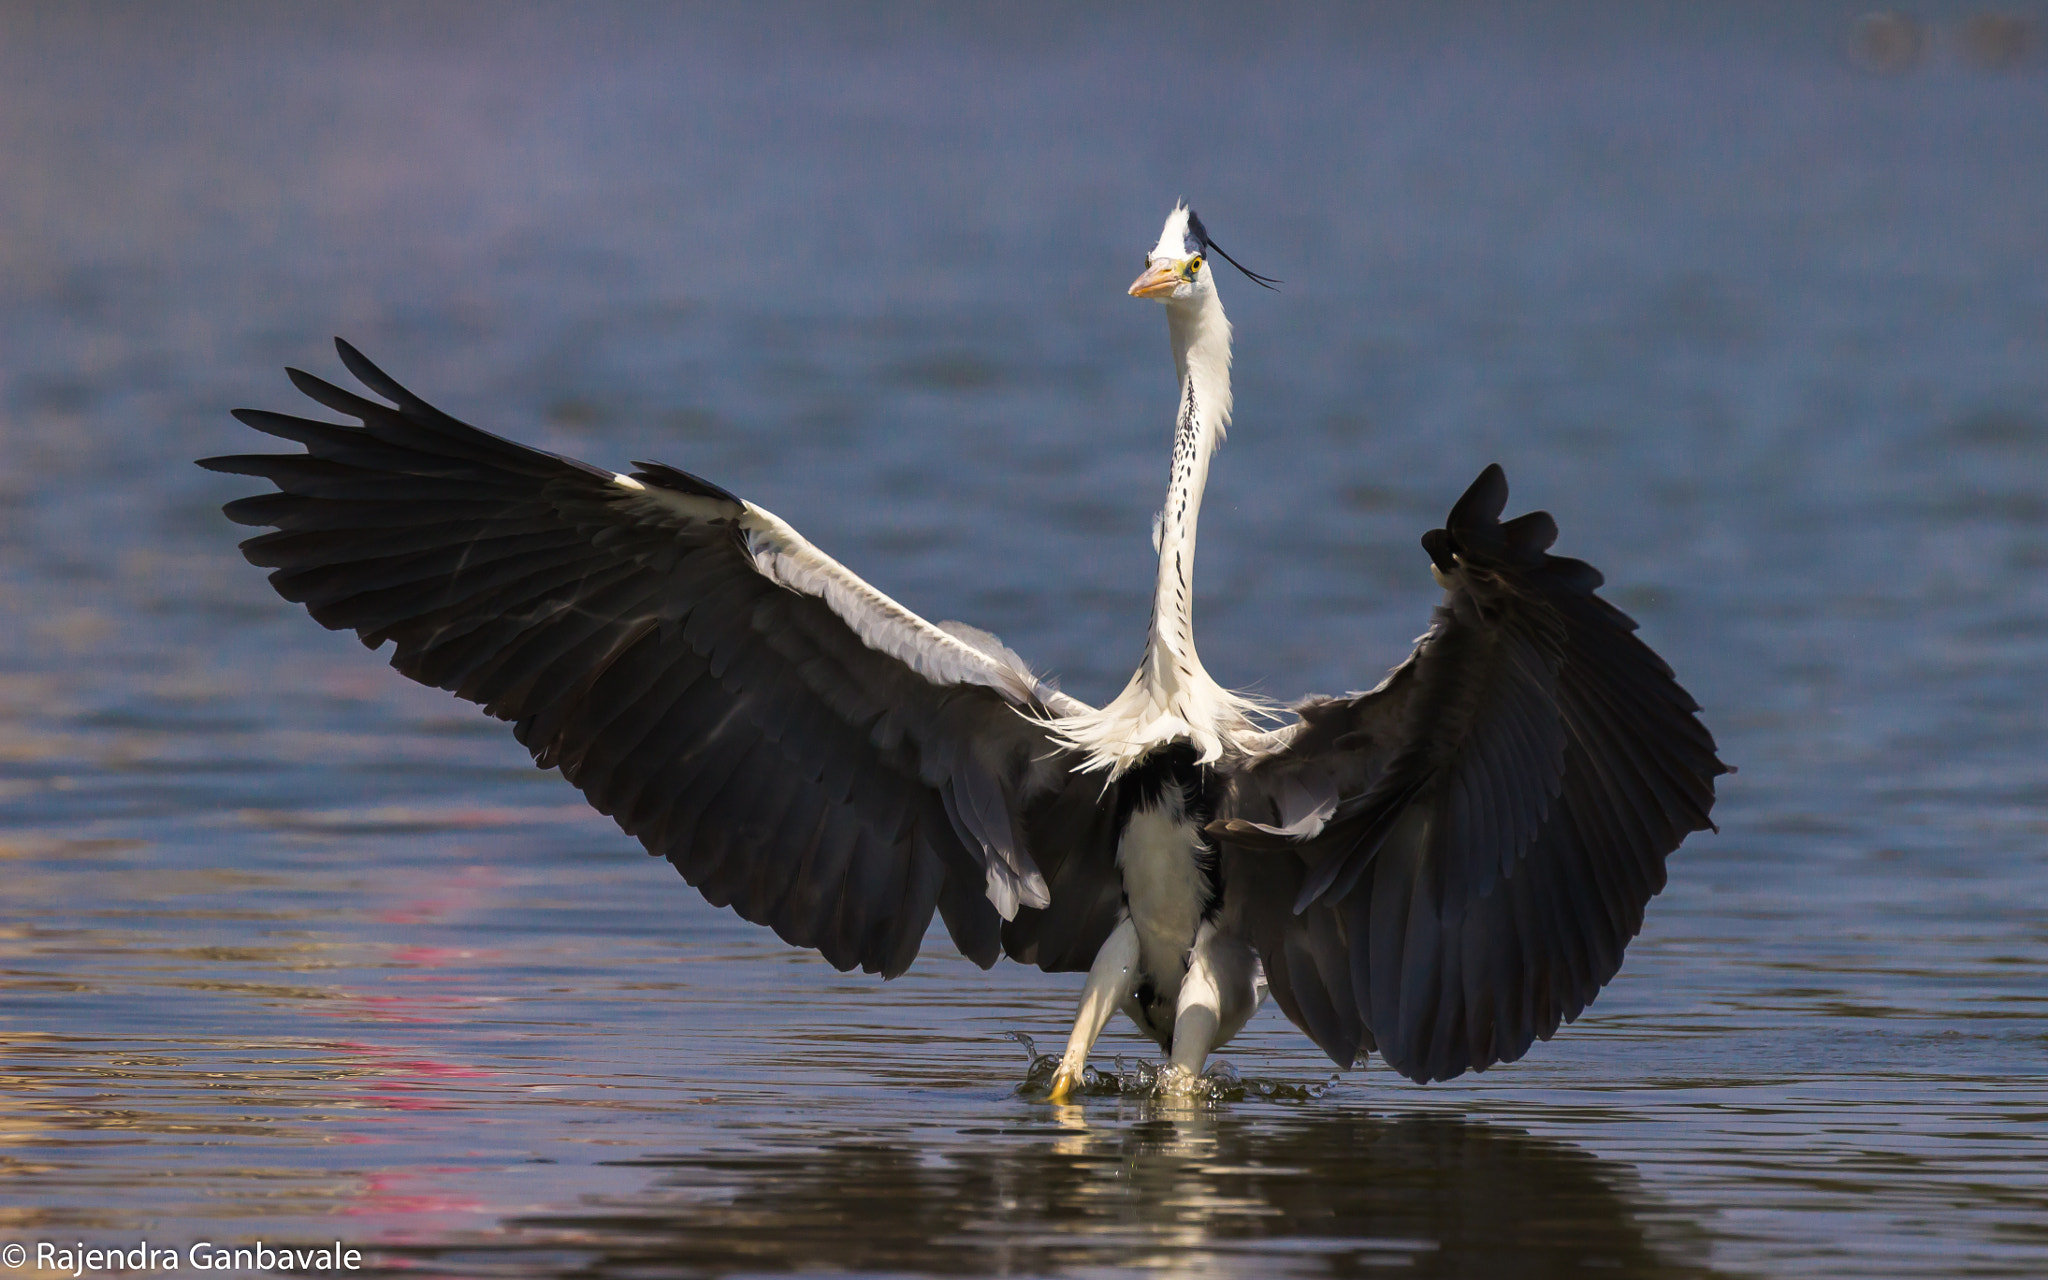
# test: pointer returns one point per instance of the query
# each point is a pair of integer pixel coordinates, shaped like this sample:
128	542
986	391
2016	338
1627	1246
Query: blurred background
1753	297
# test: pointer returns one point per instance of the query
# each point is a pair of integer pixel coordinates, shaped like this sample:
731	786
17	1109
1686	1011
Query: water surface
292	949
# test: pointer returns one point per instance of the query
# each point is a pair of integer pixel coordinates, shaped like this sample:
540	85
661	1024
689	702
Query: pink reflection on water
459	891
424	957
415	1193
399	1008
405	1081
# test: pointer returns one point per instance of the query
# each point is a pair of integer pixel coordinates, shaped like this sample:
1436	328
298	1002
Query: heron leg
1111	979
1224	986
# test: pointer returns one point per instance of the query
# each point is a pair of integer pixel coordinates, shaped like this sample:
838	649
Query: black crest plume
1200	235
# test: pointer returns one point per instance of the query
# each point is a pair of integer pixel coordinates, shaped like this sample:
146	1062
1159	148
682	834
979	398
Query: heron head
1177	267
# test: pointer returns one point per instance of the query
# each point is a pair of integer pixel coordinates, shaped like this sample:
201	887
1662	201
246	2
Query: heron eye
1188	268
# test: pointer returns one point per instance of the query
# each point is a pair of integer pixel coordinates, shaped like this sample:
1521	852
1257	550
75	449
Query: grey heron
1440	870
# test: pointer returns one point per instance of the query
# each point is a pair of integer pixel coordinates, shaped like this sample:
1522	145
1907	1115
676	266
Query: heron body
1442	869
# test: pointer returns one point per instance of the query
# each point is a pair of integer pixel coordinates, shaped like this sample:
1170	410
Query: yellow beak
1158	281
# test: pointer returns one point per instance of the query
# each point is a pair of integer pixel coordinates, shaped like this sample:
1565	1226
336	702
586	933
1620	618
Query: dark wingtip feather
1583	578
1482	503
261	465
374	378
1530	534
336	398
1475	531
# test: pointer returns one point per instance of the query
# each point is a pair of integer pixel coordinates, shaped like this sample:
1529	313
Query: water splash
1159	1081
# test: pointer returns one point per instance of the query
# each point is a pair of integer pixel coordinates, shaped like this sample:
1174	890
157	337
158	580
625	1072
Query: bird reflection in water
1160	1185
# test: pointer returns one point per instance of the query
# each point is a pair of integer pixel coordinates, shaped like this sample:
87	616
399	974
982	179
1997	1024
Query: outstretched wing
801	747
1446	867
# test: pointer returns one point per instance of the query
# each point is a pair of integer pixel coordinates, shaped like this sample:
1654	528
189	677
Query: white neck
1201	354
1171	697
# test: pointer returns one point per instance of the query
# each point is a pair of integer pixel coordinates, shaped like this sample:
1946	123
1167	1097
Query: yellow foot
1064	1082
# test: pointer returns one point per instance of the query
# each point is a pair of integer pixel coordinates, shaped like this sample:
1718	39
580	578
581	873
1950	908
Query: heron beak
1159	281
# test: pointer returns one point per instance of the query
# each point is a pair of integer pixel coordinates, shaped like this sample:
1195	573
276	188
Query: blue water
291	949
